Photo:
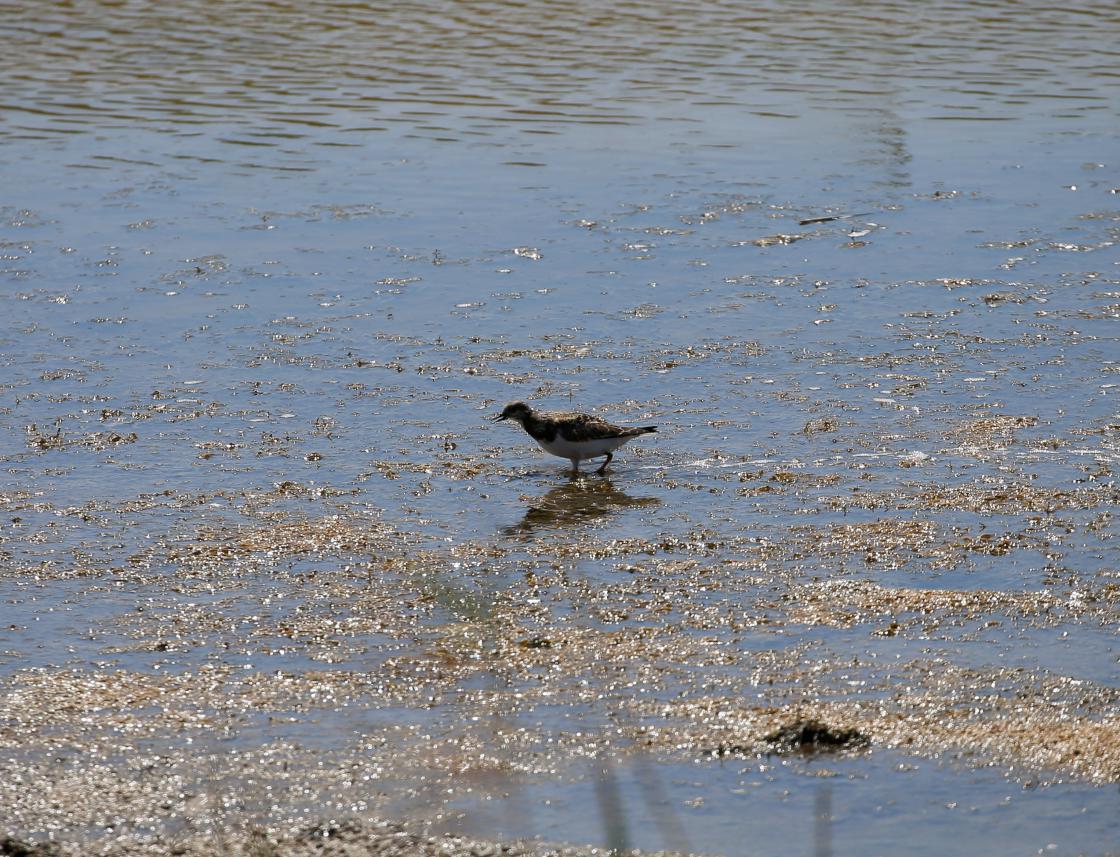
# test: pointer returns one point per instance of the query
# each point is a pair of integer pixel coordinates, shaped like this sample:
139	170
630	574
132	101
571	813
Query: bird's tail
645	429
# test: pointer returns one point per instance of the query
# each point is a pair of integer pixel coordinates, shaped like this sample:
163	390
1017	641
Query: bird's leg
575	466
603	467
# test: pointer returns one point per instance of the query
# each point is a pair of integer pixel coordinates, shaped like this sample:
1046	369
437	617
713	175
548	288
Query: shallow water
273	265
867	806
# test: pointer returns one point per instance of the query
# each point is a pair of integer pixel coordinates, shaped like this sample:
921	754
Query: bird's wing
578	427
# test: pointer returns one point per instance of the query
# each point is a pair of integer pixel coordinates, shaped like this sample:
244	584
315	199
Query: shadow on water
582	500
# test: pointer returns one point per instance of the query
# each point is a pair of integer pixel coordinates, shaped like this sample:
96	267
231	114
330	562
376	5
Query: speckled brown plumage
572	435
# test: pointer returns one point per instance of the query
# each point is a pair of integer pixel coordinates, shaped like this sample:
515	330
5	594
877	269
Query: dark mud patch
810	737
12	847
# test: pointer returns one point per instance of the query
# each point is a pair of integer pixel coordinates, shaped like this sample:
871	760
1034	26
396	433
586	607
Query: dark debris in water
10	846
536	643
809	736
97	441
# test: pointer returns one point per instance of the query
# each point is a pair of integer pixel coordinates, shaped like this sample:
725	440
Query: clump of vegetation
809	736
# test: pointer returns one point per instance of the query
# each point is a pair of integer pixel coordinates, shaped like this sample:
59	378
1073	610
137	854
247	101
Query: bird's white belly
581	449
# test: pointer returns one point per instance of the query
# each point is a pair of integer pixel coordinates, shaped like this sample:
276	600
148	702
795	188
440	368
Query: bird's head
514	411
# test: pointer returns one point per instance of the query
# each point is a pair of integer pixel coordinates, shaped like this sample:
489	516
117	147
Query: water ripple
479	68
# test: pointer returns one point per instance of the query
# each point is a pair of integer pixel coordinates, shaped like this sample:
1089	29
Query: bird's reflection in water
579	501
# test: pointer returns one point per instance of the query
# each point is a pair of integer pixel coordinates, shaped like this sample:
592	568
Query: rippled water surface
267	268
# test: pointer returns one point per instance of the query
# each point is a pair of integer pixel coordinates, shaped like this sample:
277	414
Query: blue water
871	805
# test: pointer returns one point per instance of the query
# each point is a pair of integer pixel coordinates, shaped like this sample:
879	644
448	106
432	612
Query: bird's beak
498	418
